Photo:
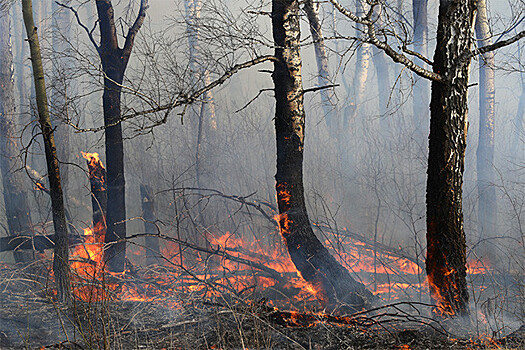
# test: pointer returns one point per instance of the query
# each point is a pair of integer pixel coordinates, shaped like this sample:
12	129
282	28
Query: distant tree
60	87
324	79
487	205
421	88
15	196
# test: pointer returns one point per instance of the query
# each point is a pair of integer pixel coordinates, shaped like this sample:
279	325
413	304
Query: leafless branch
88	32
132	33
181	99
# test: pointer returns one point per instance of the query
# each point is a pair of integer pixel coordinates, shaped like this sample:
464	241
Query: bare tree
60	86
446	244
61	256
487	205
206	109
114	63
15	197
421	86
315	264
328	102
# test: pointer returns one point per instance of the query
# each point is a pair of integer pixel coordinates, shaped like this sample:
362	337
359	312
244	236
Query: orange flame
93	158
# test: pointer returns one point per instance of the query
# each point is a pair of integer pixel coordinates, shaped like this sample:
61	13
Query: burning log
370	244
222	253
99	199
152	243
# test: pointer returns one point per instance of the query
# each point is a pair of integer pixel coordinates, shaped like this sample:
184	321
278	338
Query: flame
93	158
476	267
40	187
88	265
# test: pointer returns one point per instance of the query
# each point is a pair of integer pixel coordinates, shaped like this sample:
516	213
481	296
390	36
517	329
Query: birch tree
313	261
446	243
487	205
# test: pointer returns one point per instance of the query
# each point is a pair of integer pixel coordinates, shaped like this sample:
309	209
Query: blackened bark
446	246
148	214
313	261
61	251
487	205
99	199
114	62
15	198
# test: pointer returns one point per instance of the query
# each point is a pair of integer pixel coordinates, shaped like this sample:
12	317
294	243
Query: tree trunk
421	88
115	252
99	199
61	251
61	88
446	246
114	62
15	198
519	134
148	214
383	82
206	112
332	281
328	94
361	71
487	205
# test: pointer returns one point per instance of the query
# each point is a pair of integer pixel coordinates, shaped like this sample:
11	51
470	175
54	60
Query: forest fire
192	241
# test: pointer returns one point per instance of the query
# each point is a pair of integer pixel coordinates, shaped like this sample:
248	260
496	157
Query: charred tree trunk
61	257
310	257
487	205
15	198
421	88
327	95
148	214
99	199
114	62
446	246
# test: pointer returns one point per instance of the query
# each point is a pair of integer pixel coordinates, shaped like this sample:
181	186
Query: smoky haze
366	177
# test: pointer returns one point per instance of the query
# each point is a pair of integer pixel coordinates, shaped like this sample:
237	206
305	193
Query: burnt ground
31	319
36	323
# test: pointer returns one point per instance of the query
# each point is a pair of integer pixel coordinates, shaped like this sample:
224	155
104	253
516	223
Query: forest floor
31	319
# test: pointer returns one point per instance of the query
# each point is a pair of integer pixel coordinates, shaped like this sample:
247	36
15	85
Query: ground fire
280	174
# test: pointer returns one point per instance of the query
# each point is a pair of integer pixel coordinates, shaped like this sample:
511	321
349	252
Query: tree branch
372	39
88	32
489	48
132	33
181	99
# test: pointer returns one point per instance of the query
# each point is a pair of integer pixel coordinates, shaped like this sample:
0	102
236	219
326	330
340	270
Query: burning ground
240	292
239	288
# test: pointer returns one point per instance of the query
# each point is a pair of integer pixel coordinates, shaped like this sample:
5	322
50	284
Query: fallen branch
39	243
219	252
